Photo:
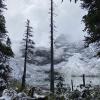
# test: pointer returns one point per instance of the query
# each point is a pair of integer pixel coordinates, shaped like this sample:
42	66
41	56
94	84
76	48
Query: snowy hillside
74	60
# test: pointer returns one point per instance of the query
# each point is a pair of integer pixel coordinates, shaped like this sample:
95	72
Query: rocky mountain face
62	51
71	59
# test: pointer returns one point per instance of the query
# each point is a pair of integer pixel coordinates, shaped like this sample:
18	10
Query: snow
8	94
77	66
35	74
39	96
5	98
77	60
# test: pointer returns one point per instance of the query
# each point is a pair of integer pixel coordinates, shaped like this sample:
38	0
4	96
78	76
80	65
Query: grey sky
68	20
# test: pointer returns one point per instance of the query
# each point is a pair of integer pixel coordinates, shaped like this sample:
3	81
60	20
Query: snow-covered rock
8	94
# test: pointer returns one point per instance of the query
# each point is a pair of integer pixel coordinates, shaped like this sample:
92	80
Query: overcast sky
68	20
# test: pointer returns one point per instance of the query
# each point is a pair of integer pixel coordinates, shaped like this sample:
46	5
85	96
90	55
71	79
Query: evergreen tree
61	89
8	50
27	50
8	42
92	21
5	51
3	30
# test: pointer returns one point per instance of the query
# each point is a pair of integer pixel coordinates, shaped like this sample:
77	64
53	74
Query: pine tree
92	21
8	50
8	42
3	30
27	50
60	87
5	51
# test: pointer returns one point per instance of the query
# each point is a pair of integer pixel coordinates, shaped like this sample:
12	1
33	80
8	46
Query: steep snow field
75	66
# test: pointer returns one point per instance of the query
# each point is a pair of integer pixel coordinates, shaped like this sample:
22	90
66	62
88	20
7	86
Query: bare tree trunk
52	51
72	85
84	80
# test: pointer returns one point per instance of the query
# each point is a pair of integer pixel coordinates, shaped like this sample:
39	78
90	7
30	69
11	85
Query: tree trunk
52	52
84	80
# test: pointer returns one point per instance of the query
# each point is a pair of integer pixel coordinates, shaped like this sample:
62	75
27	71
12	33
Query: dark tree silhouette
27	50
92	21
8	42
5	50
3	30
52	50
61	87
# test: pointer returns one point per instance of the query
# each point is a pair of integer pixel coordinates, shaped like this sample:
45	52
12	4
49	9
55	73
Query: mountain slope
71	59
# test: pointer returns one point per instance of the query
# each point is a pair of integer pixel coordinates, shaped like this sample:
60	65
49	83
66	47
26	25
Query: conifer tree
5	51
60	87
3	30
92	21
27	50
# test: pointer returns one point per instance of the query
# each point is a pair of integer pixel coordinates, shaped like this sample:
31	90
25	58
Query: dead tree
52	50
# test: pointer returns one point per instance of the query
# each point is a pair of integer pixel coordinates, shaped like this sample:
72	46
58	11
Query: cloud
68	20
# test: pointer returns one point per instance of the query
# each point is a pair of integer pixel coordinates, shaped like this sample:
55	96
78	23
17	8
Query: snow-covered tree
5	50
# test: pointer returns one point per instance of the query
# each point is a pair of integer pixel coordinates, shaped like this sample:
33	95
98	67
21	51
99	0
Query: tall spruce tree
27	50
5	51
3	32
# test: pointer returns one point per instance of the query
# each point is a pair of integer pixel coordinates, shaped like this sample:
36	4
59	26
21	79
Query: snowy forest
50	50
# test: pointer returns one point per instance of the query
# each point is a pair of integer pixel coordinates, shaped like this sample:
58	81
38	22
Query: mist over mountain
71	59
63	49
